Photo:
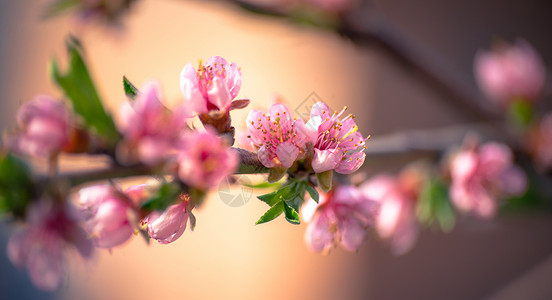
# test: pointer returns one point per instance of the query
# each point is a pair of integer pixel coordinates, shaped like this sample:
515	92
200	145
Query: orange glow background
227	256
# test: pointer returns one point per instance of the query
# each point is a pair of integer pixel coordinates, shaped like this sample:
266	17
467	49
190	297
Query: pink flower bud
510	72
204	159
44	124
212	87
149	128
337	143
106	211
341	217
482	176
41	247
167	226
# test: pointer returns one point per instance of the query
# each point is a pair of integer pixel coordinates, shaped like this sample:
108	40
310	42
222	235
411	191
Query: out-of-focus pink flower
541	143
204	159
45	127
42	245
396	221
167	226
106	210
213	86
341	217
482	176
149	128
337	144
279	138
511	72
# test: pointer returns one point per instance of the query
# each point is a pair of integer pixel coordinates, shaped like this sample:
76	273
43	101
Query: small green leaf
130	90
325	180
166	195
434	205
263	185
272	213
521	112
270	198
291	214
313	193
59	7
16	186
79	88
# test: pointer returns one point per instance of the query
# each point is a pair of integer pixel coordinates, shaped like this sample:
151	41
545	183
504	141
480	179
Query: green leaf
59	7
130	90
521	112
291	214
434	205
16	186
263	185
166	195
313	193
271	198
272	213
79	88
325	180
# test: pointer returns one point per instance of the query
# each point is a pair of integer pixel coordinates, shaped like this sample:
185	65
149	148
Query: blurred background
227	256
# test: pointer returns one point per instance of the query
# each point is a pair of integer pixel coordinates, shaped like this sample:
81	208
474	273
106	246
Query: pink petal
320	234
325	160
218	94
264	157
351	163
168	226
352	232
190	90
287	153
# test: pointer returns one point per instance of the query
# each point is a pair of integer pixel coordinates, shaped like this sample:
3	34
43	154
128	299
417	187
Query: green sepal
79	88
272	213
324	180
291	214
192	219
130	90
276	173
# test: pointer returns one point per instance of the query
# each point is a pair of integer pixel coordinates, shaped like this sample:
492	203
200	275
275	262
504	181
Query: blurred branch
432	140
366	26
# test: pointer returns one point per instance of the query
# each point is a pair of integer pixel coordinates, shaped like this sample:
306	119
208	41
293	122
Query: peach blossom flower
396	221
43	245
341	217
510	72
483	175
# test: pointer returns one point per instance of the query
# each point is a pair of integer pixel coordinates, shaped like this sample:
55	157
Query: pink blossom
167	226
337	144
481	176
45	127
396	221
41	247
341	217
204	159
213	86
106	211
510	72
149	128
541	143
279	138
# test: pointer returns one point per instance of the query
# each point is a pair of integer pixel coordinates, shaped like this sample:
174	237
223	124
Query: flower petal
325	160
287	153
